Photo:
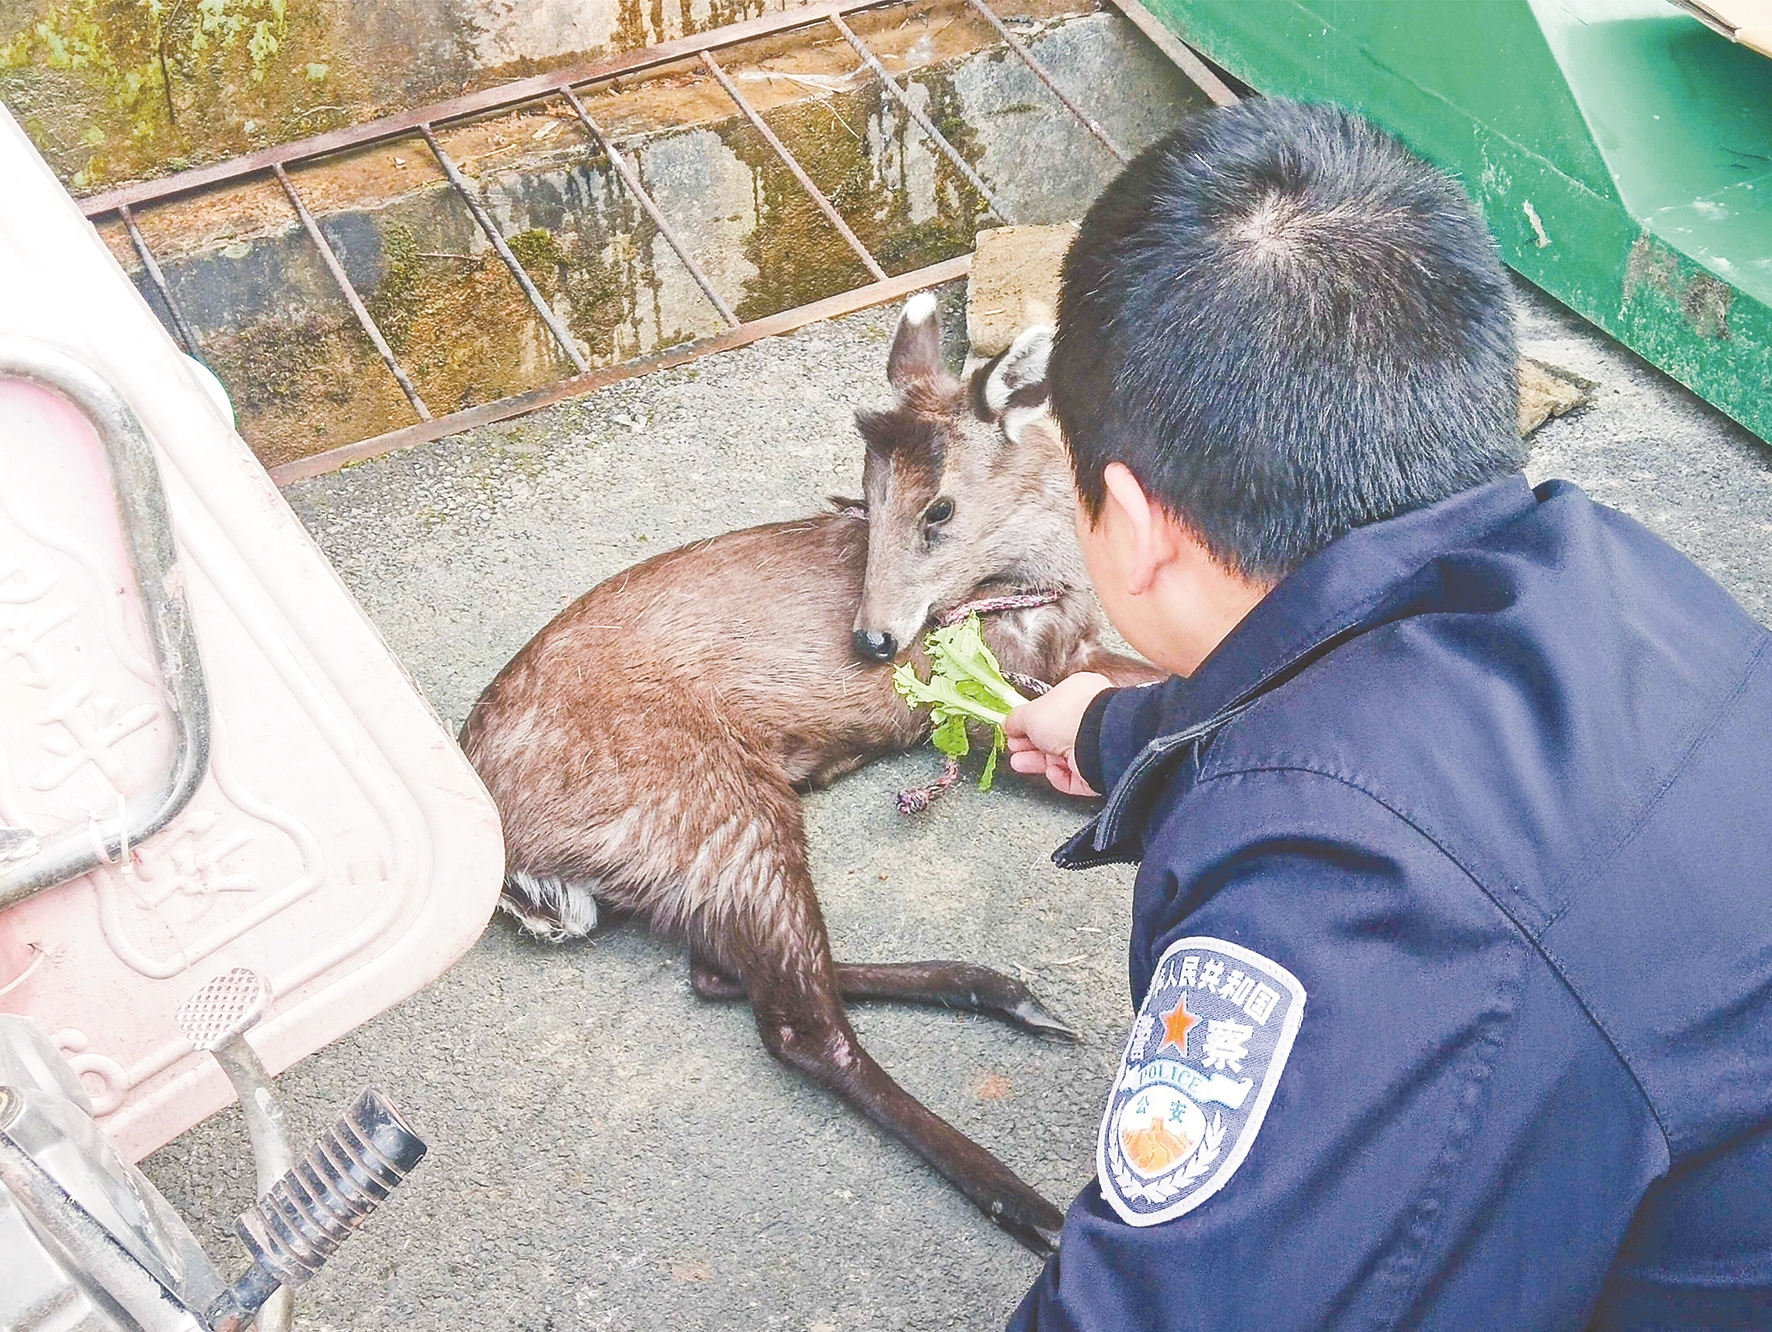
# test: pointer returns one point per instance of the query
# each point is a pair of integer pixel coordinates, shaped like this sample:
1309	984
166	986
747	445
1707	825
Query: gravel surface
608	1152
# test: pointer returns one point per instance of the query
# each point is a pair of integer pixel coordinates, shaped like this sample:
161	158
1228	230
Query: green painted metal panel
1620	151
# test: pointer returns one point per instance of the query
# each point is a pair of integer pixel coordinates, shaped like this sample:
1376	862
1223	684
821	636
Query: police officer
1452	934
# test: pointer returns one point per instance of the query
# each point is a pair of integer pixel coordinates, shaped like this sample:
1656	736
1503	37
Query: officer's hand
1043	734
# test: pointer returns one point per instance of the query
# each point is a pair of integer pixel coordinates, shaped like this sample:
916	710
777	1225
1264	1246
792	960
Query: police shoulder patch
1200	1068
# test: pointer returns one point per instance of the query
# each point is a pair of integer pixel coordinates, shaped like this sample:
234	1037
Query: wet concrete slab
304	378
608	1152
119	92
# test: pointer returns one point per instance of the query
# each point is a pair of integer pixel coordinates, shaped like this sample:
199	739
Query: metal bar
185	336
631	179
272	1157
1179	52
349	292
1040	72
153	557
215	1020
481	216
498	98
781	150
875	293
923	122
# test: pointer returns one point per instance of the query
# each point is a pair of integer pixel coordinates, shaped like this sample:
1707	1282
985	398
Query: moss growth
539	253
798	256
958	204
641	23
602	280
162	82
392	304
300	388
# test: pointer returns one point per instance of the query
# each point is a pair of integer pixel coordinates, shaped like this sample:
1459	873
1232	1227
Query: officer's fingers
1020	744
1062	775
1030	761
1046	722
1015	725
1070	783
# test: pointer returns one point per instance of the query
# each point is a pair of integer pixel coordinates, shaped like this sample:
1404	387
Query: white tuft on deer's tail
554	909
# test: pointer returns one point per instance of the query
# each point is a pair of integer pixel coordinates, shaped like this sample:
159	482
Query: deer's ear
916	346
1015	387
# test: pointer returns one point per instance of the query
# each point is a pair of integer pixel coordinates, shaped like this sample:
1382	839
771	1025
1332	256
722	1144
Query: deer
647	749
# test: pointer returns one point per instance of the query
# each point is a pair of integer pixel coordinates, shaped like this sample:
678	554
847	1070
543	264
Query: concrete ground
608	1152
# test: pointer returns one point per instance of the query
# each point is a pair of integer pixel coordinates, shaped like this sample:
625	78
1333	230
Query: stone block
1014	283
1546	391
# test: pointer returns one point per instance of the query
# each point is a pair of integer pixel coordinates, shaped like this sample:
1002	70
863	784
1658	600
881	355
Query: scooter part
306	1215
28	863
86	1242
216	1019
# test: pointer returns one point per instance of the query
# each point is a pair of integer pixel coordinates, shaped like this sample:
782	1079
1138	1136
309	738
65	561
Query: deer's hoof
1034	1222
1031	1015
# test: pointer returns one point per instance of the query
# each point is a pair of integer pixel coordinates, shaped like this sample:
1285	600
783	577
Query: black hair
1286	326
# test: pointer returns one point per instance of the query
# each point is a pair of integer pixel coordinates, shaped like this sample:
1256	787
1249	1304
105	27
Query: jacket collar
1344	589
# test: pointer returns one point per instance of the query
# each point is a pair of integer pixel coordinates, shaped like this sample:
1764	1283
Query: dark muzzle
874	647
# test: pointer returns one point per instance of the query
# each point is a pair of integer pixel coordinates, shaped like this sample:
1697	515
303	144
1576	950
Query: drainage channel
558	359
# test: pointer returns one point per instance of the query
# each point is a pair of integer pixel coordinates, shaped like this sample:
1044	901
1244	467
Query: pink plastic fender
338	843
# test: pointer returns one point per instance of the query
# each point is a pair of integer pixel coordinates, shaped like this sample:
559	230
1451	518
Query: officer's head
1284	326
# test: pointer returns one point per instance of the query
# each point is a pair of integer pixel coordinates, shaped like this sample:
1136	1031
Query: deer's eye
939	512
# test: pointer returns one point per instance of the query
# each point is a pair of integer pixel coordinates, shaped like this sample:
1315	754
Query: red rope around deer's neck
1032	599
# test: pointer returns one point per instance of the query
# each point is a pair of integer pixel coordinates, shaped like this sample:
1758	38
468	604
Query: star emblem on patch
1200	1068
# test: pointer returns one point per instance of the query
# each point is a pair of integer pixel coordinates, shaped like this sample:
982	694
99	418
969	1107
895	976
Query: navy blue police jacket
1492	780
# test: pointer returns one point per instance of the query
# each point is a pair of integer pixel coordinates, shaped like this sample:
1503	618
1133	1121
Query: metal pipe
266	1124
631	179
187	338
781	150
153	557
333	266
272	1156
481	216
1040	72
923	122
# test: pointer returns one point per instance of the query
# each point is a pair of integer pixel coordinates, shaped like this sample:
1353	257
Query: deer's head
967	485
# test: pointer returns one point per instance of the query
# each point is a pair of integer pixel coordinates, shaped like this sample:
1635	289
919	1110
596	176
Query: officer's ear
1148	536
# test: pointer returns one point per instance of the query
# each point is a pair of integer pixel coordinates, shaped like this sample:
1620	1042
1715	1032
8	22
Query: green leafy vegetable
965	685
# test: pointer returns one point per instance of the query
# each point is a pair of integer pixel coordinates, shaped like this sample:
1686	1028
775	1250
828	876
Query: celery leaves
965	685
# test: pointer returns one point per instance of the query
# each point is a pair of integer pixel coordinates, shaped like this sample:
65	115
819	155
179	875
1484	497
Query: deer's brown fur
646	747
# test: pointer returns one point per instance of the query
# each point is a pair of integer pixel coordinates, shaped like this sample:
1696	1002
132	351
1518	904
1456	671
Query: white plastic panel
339	843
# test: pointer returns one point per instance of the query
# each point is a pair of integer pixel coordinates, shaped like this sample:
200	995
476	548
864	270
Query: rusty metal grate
567	84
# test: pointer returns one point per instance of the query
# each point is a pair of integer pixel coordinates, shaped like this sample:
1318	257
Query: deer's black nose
875	647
